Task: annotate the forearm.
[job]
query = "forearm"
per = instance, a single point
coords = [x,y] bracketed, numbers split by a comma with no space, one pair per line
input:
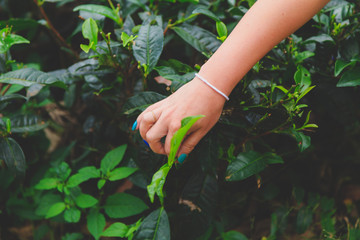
[263,26]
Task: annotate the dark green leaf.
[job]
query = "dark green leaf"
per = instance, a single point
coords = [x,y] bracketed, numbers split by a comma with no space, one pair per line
[12,154]
[95,223]
[11,97]
[141,101]
[72,215]
[121,173]
[350,78]
[99,9]
[148,46]
[206,12]
[27,123]
[46,202]
[249,163]
[321,38]
[234,235]
[340,65]
[29,76]
[116,230]
[121,205]
[55,210]
[85,201]
[303,141]
[202,40]
[73,236]
[112,159]
[155,226]
[303,219]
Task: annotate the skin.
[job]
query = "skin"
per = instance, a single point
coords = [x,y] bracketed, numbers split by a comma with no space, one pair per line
[263,26]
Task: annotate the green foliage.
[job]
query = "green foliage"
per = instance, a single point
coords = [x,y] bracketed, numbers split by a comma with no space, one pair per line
[283,156]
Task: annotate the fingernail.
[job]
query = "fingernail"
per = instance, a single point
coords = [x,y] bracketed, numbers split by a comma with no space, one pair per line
[134,126]
[146,143]
[182,158]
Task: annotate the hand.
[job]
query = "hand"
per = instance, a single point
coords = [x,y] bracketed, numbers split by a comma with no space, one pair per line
[164,117]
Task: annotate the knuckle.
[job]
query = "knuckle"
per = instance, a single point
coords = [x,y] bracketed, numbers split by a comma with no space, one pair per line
[150,137]
[174,126]
[187,147]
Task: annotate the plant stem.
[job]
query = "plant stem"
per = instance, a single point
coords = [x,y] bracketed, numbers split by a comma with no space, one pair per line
[54,31]
[6,89]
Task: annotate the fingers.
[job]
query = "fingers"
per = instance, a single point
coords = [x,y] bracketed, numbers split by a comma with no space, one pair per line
[174,126]
[154,135]
[146,121]
[189,143]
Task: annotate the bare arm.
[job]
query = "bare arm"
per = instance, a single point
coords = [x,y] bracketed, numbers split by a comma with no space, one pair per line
[262,27]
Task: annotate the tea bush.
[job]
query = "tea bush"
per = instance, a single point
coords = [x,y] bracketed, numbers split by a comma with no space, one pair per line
[75,75]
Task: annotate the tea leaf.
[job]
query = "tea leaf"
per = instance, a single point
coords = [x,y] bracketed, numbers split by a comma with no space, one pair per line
[122,205]
[155,226]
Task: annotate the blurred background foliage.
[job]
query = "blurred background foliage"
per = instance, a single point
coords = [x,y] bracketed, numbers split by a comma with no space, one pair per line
[282,163]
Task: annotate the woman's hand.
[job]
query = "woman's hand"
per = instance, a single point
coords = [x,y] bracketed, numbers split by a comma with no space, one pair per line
[164,117]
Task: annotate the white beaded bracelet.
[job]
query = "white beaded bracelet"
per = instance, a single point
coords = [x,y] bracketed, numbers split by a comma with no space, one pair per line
[212,86]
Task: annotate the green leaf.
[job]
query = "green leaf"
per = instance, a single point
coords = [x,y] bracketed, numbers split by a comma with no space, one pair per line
[11,97]
[233,235]
[141,101]
[7,40]
[300,57]
[29,76]
[122,205]
[203,10]
[95,223]
[202,40]
[116,230]
[12,154]
[303,219]
[303,141]
[90,31]
[101,183]
[112,159]
[321,38]
[221,30]
[85,201]
[72,215]
[249,163]
[302,77]
[155,226]
[83,175]
[46,202]
[126,39]
[340,65]
[148,46]
[186,124]
[73,236]
[350,78]
[157,183]
[99,9]
[47,183]
[55,210]
[121,173]
[27,123]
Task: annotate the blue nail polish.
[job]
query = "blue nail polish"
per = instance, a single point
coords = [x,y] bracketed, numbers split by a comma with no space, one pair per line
[182,158]
[146,143]
[134,126]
